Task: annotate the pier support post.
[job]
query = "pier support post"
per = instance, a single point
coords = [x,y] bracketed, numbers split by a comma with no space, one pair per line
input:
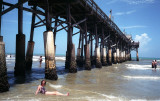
[87,52]
[115,57]
[120,56]
[70,56]
[87,58]
[98,58]
[20,45]
[97,50]
[124,56]
[109,56]
[91,49]
[49,48]
[79,58]
[20,55]
[137,54]
[104,59]
[30,47]
[117,52]
[70,59]
[29,55]
[4,85]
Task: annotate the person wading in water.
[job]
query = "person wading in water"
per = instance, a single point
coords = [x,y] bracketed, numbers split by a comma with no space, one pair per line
[155,64]
[40,60]
[42,90]
[152,64]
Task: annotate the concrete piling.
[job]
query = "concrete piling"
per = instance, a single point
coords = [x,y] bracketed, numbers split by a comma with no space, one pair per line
[137,54]
[117,52]
[79,59]
[87,58]
[104,59]
[20,55]
[29,55]
[109,56]
[98,58]
[49,48]
[72,60]
[4,85]
[115,57]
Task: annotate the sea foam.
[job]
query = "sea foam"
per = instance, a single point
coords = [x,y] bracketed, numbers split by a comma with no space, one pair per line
[139,67]
[143,77]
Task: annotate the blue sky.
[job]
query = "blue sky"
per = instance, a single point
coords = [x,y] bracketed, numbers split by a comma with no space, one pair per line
[140,18]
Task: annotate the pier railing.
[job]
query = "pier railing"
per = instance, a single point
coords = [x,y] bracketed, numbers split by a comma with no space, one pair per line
[105,18]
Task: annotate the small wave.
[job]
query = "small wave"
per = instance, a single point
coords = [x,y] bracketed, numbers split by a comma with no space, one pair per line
[139,67]
[138,100]
[143,77]
[55,86]
[61,58]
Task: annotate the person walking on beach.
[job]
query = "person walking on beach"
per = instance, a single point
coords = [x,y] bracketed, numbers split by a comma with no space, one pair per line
[42,90]
[40,60]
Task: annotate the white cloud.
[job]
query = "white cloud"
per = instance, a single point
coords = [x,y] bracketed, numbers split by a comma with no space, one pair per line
[125,13]
[137,26]
[144,39]
[138,1]
[111,2]
[132,2]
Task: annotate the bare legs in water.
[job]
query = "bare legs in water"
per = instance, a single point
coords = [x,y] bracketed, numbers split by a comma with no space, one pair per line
[55,93]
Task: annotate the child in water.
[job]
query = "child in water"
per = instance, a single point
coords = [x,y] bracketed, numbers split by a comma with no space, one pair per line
[42,90]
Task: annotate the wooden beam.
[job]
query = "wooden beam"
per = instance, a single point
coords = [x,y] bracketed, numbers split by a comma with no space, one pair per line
[0,15]
[57,25]
[62,29]
[32,25]
[40,19]
[13,7]
[79,22]
[76,33]
[77,25]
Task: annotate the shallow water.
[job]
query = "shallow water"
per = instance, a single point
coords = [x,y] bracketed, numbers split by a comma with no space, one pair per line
[131,80]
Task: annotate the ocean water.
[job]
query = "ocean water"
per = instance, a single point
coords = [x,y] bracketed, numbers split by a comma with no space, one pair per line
[128,81]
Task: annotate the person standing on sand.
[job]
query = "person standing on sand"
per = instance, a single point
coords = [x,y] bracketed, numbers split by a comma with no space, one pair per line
[40,60]
[42,90]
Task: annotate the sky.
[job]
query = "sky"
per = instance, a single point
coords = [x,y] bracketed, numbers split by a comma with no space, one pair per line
[140,18]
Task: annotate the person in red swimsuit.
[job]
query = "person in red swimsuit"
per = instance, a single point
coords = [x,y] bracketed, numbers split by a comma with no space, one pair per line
[41,89]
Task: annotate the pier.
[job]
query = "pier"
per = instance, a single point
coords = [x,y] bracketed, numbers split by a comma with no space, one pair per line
[112,46]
